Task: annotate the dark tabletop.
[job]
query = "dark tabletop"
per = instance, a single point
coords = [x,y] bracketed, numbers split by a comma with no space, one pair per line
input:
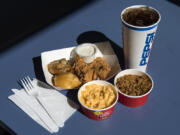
[98,21]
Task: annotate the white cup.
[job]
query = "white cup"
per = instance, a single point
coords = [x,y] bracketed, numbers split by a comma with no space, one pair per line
[138,40]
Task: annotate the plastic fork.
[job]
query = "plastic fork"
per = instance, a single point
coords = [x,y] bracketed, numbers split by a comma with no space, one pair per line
[31,89]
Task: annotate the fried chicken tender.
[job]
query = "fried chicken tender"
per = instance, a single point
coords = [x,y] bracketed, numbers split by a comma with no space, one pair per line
[101,67]
[81,69]
[77,70]
[80,66]
[88,72]
[59,66]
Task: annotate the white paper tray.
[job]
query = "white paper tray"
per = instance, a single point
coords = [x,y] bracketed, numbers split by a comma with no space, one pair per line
[104,50]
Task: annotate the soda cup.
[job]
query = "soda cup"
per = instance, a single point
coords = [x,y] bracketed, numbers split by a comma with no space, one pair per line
[139,25]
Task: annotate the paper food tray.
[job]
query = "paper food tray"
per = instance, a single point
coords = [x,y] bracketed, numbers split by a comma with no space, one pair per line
[104,50]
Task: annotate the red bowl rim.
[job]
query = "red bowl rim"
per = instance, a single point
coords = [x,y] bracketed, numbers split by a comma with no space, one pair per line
[129,73]
[93,82]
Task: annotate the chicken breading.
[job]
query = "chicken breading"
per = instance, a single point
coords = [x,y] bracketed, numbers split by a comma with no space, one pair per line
[101,67]
[98,69]
[87,72]
[59,66]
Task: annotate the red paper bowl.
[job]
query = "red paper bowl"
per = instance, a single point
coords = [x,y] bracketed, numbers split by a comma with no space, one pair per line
[132,101]
[97,114]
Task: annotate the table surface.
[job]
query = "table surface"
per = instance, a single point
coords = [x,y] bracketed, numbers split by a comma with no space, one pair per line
[160,115]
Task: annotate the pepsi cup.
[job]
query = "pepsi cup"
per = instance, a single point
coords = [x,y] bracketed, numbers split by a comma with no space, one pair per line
[139,25]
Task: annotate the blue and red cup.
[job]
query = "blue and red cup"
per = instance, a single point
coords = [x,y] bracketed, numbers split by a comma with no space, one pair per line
[138,40]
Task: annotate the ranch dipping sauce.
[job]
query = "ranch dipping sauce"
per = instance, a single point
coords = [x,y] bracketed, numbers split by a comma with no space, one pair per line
[86,51]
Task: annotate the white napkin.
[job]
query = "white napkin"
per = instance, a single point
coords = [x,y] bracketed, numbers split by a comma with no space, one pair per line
[58,106]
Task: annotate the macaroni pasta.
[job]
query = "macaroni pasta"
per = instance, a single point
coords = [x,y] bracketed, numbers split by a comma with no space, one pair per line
[96,96]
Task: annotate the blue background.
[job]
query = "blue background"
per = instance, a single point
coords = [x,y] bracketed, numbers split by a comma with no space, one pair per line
[160,115]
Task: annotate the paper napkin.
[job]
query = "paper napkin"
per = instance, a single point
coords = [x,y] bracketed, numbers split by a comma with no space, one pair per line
[58,108]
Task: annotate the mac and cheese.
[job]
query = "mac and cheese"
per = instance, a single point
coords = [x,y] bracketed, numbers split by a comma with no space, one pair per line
[96,96]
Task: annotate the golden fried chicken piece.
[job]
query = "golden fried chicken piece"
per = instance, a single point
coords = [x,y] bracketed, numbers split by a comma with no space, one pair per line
[88,76]
[81,69]
[94,75]
[88,72]
[80,66]
[59,66]
[101,67]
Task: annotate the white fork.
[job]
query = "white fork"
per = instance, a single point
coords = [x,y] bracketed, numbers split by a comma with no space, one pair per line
[31,89]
